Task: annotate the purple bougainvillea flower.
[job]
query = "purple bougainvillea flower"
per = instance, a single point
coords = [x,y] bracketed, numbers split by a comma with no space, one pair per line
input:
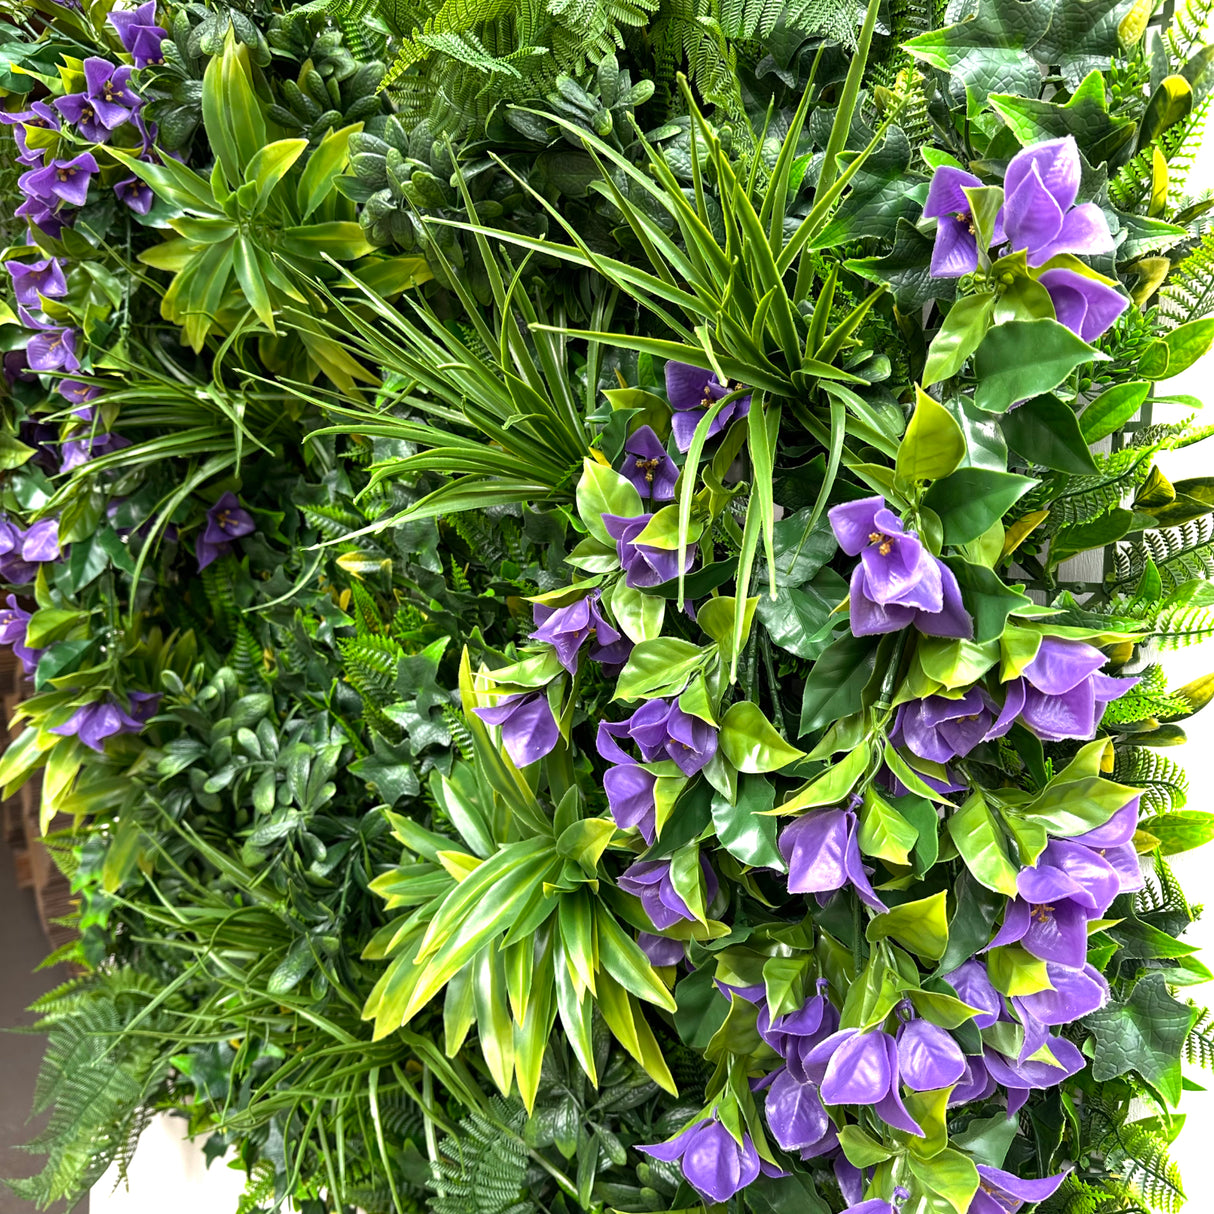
[1075,994]
[78,393]
[1020,1078]
[1039,212]
[940,729]
[1114,842]
[897,582]
[692,391]
[567,628]
[53,349]
[713,1161]
[956,249]
[41,542]
[874,1205]
[42,216]
[1052,931]
[39,116]
[644,565]
[1085,305]
[32,279]
[927,1056]
[66,180]
[139,34]
[227,521]
[851,1067]
[823,855]
[648,467]
[794,1035]
[650,881]
[135,194]
[107,102]
[661,730]
[1000,1192]
[974,987]
[795,1113]
[1061,693]
[660,950]
[14,622]
[102,719]
[629,789]
[529,730]
[975,1084]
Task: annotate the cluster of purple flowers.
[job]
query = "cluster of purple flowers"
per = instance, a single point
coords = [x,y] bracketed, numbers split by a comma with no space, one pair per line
[897,581]
[1038,217]
[104,718]
[692,391]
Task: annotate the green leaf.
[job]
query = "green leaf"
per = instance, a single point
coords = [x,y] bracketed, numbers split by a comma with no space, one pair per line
[271,164]
[660,667]
[906,269]
[962,332]
[933,445]
[1144,1033]
[1183,347]
[884,832]
[701,1009]
[745,828]
[861,1149]
[922,926]
[1099,533]
[832,785]
[325,165]
[970,500]
[1180,831]
[950,1174]
[1047,433]
[750,741]
[797,618]
[835,685]
[1026,358]
[977,837]
[639,615]
[986,597]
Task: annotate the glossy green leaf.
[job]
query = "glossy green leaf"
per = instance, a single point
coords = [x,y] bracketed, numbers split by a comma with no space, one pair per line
[1180,830]
[831,786]
[1111,410]
[950,1174]
[969,500]
[884,832]
[962,332]
[1047,433]
[750,741]
[1026,358]
[745,828]
[979,840]
[922,926]
[659,667]
[932,447]
[836,683]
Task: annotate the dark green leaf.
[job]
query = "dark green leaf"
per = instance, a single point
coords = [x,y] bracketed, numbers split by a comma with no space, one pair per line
[970,500]
[836,682]
[1026,358]
[1046,432]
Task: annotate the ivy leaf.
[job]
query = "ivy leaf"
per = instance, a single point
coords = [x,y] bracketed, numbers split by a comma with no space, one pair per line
[1145,1033]
[986,597]
[1081,37]
[989,52]
[1086,116]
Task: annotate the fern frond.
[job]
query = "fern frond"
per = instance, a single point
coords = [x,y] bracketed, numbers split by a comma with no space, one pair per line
[1188,293]
[1190,29]
[1141,1158]
[1161,893]
[1164,783]
[1150,698]
[1181,554]
[482,1168]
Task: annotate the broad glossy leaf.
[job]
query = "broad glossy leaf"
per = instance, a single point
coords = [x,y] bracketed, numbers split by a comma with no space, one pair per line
[660,667]
[922,926]
[750,741]
[1026,358]
[1047,433]
[977,836]
[962,332]
[745,828]
[969,500]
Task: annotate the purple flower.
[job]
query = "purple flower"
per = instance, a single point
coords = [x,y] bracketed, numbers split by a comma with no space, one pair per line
[956,249]
[567,628]
[713,1161]
[78,393]
[102,719]
[648,467]
[939,729]
[975,1084]
[53,349]
[1000,1192]
[797,1118]
[897,582]
[39,115]
[32,279]
[644,565]
[529,730]
[974,987]
[1020,1078]
[1073,994]
[1087,306]
[107,101]
[650,881]
[40,543]
[14,621]
[823,855]
[1061,694]
[135,194]
[139,34]
[1114,843]
[691,391]
[794,1035]
[661,730]
[928,1057]
[42,216]
[227,521]
[660,950]
[79,451]
[1039,214]
[851,1067]
[66,180]
[630,798]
